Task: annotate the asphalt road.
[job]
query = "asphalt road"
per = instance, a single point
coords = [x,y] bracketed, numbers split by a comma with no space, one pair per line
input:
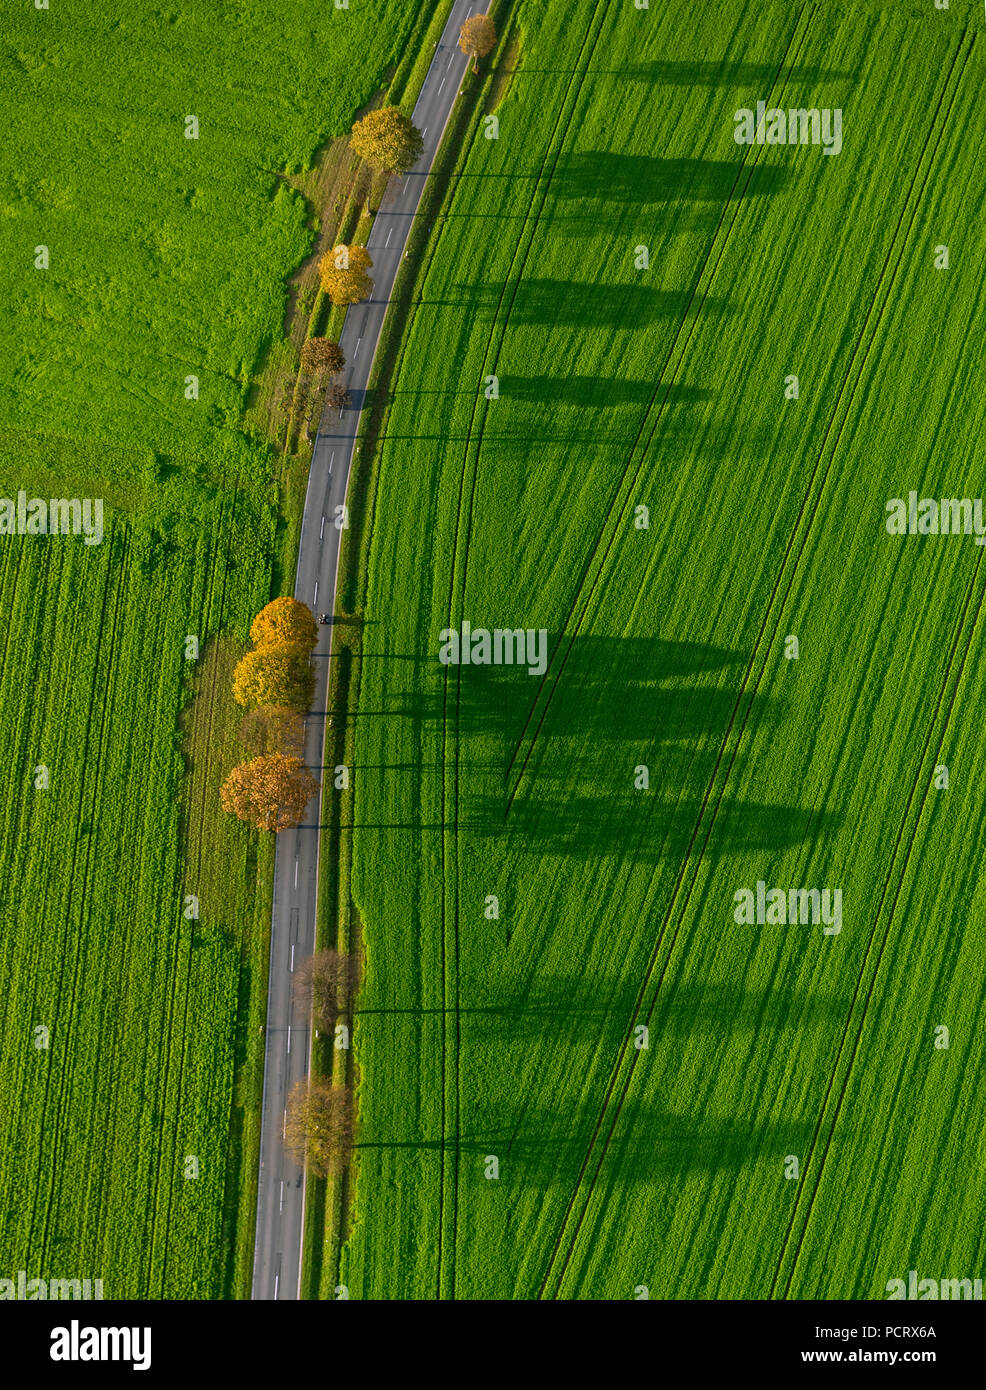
[281,1192]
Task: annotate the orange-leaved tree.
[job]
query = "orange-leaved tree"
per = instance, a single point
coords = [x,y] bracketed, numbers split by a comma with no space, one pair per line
[477,37]
[322,355]
[270,793]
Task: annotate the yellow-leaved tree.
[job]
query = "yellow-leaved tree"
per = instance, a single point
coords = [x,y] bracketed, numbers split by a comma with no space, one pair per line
[344,274]
[278,673]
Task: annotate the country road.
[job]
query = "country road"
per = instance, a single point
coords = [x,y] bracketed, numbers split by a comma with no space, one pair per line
[281,1190]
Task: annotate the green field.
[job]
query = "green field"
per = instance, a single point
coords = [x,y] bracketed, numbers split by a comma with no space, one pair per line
[167,259]
[619,388]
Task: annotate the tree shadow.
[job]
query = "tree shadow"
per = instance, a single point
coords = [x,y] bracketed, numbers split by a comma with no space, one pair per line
[539,1146]
[604,1008]
[595,391]
[593,304]
[641,179]
[642,827]
[618,704]
[694,72]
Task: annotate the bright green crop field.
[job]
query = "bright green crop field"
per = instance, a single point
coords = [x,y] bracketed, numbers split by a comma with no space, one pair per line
[790,1124]
[131,1025]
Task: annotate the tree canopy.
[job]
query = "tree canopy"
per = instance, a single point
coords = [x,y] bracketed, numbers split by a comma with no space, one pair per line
[344,274]
[318,1128]
[322,355]
[386,140]
[285,620]
[277,673]
[273,729]
[477,37]
[270,793]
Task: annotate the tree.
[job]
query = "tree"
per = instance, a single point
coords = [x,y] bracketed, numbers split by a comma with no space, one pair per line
[387,141]
[337,396]
[278,673]
[318,1129]
[477,37]
[323,982]
[322,355]
[273,729]
[344,274]
[270,793]
[285,620]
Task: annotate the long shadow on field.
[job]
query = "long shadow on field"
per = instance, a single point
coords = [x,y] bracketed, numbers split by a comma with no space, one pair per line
[619,704]
[649,659]
[542,1146]
[641,179]
[575,303]
[595,391]
[642,714]
[642,827]
[709,73]
[599,1010]
[622,688]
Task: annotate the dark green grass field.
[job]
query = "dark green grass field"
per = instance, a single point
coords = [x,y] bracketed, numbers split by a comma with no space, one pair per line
[167,259]
[514,1037]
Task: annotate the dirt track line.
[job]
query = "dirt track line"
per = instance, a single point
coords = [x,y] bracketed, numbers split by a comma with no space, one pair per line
[457,586]
[213,622]
[901,877]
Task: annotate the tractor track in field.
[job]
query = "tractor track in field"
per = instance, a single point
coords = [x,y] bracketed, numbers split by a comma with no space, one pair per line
[31,711]
[528,234]
[901,877]
[9,582]
[60,1102]
[213,611]
[550,1275]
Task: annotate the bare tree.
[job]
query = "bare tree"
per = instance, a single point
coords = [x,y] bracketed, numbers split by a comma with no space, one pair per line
[326,981]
